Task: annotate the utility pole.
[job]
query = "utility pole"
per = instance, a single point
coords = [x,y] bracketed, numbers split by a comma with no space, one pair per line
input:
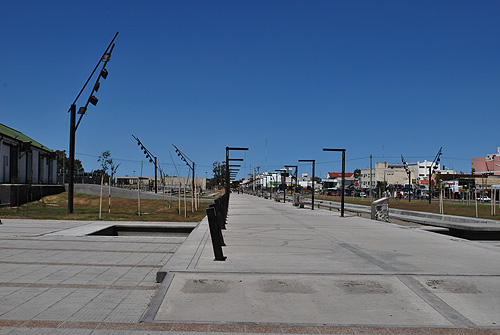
[371,184]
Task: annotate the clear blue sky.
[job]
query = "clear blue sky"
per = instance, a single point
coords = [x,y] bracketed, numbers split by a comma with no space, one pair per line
[375,77]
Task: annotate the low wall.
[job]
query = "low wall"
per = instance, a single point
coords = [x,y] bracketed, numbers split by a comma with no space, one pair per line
[18,194]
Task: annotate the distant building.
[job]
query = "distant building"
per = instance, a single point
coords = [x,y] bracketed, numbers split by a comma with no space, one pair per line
[489,165]
[334,180]
[420,170]
[170,182]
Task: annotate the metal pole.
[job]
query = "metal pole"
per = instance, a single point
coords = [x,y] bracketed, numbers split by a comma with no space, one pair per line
[71,181]
[156,177]
[430,183]
[313,185]
[284,188]
[193,190]
[371,183]
[343,185]
[227,171]
[409,185]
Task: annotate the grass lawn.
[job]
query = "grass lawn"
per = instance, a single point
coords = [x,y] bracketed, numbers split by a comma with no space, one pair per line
[86,207]
[450,208]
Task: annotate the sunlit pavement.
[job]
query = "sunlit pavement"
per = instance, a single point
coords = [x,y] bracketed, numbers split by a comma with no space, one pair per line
[288,270]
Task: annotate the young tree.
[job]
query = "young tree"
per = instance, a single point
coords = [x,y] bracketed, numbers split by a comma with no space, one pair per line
[107,163]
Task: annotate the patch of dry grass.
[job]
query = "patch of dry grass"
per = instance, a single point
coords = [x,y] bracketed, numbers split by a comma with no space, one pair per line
[450,208]
[86,207]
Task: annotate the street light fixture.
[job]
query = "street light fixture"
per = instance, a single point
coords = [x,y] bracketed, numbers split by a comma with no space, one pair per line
[81,111]
[313,161]
[343,179]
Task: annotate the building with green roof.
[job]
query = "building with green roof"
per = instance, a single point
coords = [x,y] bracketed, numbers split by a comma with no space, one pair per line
[24,160]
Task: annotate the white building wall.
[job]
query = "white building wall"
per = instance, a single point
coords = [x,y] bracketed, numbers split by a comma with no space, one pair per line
[421,169]
[35,166]
[365,178]
[21,168]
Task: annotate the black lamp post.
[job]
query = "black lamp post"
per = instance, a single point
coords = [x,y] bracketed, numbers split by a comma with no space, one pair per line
[228,183]
[313,161]
[296,174]
[283,182]
[343,179]
[152,159]
[408,172]
[432,168]
[82,110]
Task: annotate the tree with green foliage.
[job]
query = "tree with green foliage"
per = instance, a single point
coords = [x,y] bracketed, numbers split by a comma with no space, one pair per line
[357,173]
[219,170]
[63,160]
[381,187]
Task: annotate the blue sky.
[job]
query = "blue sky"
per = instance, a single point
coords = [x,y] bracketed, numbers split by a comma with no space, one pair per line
[283,78]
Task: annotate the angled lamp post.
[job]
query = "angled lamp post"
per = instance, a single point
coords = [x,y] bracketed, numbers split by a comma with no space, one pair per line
[313,161]
[185,159]
[343,179]
[408,172]
[82,110]
[432,168]
[152,159]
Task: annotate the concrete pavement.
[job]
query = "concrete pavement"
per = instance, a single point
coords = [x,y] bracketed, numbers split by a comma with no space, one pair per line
[313,268]
[288,270]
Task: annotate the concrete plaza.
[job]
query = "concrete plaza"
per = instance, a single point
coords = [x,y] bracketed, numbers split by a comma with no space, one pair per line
[288,270]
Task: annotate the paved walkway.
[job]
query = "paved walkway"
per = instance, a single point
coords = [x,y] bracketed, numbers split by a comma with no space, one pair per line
[288,270]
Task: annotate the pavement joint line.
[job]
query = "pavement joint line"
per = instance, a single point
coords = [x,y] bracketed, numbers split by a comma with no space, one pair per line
[199,251]
[92,250]
[97,239]
[379,274]
[86,264]
[435,302]
[150,313]
[85,286]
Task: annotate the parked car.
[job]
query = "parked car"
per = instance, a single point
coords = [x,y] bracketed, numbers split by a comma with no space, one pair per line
[484,199]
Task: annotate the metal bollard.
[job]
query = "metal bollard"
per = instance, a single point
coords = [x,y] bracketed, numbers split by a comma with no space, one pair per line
[218,219]
[219,208]
[215,234]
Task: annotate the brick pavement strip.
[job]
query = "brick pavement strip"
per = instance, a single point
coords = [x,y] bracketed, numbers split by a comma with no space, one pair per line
[238,328]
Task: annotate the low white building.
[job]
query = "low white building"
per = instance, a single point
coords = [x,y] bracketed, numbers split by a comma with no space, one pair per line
[24,160]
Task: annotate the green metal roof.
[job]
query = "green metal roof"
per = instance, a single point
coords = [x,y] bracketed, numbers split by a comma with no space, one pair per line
[17,135]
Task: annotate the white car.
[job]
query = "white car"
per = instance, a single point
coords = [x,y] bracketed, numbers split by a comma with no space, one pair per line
[484,199]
